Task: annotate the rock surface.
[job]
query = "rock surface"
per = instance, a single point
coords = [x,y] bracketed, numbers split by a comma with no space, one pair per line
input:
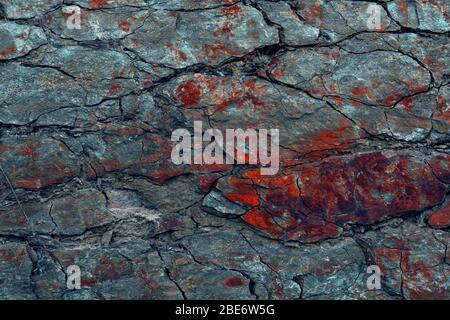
[359,91]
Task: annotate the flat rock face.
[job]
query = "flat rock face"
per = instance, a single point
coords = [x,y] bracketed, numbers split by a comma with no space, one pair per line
[422,15]
[375,78]
[91,92]
[181,39]
[419,254]
[29,92]
[18,40]
[16,9]
[313,202]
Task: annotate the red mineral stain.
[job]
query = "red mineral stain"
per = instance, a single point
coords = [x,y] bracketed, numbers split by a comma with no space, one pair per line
[225,1]
[115,88]
[88,282]
[403,7]
[234,282]
[189,94]
[28,183]
[315,12]
[130,131]
[245,192]
[316,230]
[206,182]
[440,218]
[338,139]
[231,12]
[407,104]
[8,52]
[16,257]
[278,69]
[443,110]
[125,25]
[108,269]
[99,4]
[30,150]
[441,167]
[263,222]
[180,54]
[369,188]
[430,293]
[361,92]
[165,171]
[224,30]
[386,256]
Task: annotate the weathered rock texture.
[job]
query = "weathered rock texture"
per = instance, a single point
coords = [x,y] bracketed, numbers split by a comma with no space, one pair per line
[86,117]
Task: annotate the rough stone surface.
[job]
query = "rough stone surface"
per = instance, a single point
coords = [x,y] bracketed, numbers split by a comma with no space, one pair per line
[86,176]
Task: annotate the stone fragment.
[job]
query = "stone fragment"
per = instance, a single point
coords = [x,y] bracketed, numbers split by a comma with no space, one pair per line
[17,9]
[102,73]
[182,39]
[337,20]
[18,40]
[411,261]
[376,78]
[101,25]
[296,31]
[28,92]
[37,162]
[15,270]
[421,15]
[312,202]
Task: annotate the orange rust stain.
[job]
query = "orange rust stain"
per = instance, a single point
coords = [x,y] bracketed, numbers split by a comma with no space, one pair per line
[337,139]
[255,218]
[407,104]
[248,199]
[214,51]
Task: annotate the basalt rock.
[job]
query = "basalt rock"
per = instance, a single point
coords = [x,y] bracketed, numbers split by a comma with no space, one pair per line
[92,90]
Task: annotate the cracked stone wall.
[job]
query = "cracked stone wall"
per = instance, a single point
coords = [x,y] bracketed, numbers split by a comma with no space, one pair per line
[86,116]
